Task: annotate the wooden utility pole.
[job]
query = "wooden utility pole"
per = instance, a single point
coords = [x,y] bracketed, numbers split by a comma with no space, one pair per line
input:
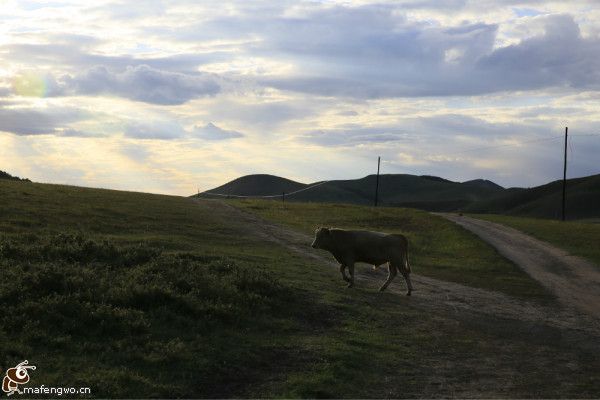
[377,181]
[564,192]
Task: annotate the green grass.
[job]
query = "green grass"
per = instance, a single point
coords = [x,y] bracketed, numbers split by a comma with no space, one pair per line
[438,248]
[139,295]
[578,238]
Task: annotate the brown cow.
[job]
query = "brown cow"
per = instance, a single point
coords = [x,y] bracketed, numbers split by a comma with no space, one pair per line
[349,247]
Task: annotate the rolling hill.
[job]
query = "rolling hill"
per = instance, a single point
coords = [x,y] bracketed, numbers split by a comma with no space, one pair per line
[432,194]
[425,192]
[582,200]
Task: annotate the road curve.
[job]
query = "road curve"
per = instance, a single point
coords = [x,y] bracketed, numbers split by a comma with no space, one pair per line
[575,282]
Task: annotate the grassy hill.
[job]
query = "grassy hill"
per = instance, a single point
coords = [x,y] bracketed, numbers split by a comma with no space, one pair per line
[424,192]
[434,194]
[257,185]
[138,295]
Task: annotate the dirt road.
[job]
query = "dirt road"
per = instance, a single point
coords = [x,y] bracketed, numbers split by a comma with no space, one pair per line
[463,302]
[574,281]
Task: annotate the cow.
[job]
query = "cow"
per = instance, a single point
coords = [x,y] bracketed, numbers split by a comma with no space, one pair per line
[375,248]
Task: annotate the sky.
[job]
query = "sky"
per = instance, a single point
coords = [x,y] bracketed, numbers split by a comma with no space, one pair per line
[178,96]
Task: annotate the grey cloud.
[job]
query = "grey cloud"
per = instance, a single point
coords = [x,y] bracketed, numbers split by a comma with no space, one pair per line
[70,132]
[349,113]
[354,135]
[212,132]
[456,124]
[142,83]
[560,57]
[267,116]
[429,132]
[135,152]
[72,52]
[163,130]
[26,121]
[386,56]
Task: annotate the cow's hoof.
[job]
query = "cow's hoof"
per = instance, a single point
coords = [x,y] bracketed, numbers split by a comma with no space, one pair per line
[349,285]
[408,293]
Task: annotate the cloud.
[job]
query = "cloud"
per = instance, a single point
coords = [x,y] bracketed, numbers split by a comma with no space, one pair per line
[142,83]
[212,132]
[163,130]
[354,135]
[74,53]
[27,121]
[135,152]
[560,57]
[371,52]
[431,132]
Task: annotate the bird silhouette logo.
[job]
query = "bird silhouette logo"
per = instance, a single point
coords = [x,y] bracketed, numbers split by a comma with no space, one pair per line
[16,376]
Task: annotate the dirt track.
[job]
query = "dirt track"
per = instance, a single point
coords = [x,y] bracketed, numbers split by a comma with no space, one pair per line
[463,302]
[574,281]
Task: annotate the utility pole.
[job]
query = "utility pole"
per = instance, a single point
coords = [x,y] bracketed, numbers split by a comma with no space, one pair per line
[283,197]
[564,192]
[377,181]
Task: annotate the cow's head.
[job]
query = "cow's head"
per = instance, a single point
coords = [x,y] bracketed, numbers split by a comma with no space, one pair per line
[322,238]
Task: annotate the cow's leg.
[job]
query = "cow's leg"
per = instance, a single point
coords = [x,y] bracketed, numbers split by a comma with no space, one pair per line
[406,276]
[351,270]
[343,271]
[393,271]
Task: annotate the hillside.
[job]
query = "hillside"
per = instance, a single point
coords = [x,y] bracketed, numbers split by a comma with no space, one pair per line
[424,192]
[257,185]
[432,193]
[6,175]
[144,281]
[582,200]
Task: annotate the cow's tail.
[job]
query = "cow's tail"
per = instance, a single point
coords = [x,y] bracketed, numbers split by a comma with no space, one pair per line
[406,259]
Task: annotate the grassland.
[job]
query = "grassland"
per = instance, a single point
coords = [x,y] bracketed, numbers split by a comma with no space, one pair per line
[578,238]
[438,248]
[139,295]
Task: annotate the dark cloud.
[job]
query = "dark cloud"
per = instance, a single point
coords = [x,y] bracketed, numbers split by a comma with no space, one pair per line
[560,57]
[212,132]
[27,121]
[142,83]
[369,52]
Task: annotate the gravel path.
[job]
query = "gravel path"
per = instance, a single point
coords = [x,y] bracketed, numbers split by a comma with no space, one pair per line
[574,281]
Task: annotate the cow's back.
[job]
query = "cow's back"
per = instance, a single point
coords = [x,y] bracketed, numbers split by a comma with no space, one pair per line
[370,247]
